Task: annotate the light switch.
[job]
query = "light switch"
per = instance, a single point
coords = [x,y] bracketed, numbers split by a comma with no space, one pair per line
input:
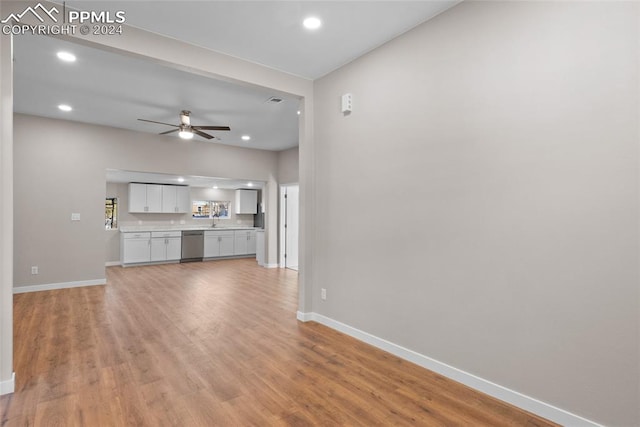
[75,217]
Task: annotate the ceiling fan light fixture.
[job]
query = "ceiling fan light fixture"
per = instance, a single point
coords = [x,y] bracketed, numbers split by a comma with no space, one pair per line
[185,133]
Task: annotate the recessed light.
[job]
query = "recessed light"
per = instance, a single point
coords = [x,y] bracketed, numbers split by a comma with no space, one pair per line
[298,112]
[65,107]
[246,137]
[181,179]
[312,23]
[215,187]
[66,56]
[250,184]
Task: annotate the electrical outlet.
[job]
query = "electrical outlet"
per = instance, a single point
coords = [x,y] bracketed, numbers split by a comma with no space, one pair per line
[323,293]
[34,269]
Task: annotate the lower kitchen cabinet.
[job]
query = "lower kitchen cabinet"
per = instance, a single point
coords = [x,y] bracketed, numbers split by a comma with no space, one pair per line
[135,248]
[166,245]
[218,243]
[245,242]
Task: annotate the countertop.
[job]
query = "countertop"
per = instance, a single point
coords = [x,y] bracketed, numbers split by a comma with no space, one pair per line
[143,228]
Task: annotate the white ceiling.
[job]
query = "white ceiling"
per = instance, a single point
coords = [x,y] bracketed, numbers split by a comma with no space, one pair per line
[113,90]
[109,89]
[271,32]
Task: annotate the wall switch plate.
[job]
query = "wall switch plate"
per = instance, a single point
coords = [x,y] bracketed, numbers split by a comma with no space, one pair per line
[75,217]
[323,294]
[34,269]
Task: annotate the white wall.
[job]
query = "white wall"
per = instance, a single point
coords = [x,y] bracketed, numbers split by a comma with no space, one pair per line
[506,135]
[60,168]
[288,166]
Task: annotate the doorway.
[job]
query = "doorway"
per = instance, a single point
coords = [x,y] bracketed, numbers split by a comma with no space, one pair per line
[289,220]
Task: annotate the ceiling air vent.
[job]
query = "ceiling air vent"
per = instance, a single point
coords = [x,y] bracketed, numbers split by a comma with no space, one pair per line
[274,100]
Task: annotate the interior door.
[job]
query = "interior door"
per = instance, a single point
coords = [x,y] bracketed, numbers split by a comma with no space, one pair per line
[291,226]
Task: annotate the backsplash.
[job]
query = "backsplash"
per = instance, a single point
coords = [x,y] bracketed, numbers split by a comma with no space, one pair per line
[185,219]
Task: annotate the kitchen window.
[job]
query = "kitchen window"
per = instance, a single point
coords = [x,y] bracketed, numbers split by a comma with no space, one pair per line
[111,213]
[211,209]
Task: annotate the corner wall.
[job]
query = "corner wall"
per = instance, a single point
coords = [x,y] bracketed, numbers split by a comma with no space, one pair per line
[6,213]
[506,135]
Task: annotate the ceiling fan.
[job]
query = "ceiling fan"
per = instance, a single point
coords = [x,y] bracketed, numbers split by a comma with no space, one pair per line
[185,129]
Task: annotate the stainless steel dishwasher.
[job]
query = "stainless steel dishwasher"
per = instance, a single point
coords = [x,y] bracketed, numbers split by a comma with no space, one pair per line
[192,245]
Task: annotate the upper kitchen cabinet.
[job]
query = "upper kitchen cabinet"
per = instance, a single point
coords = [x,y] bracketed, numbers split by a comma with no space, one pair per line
[145,198]
[246,201]
[176,199]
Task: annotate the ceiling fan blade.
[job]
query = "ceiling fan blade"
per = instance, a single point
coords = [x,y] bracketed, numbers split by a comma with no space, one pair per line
[202,134]
[169,131]
[160,123]
[211,127]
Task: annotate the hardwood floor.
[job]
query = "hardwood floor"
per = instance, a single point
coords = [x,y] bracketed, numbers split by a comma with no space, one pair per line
[214,343]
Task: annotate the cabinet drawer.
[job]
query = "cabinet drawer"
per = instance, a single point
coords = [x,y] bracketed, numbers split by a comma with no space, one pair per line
[166,234]
[219,233]
[143,235]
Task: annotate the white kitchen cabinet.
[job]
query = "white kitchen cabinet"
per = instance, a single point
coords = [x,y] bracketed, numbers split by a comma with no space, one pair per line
[218,243]
[183,199]
[166,245]
[176,199]
[145,198]
[137,197]
[246,201]
[135,248]
[245,242]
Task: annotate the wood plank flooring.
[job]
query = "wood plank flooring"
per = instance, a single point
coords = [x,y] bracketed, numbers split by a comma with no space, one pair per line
[215,343]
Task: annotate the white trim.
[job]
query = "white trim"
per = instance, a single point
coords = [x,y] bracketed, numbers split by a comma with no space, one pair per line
[515,398]
[306,317]
[8,386]
[62,285]
[272,265]
[112,263]
[281,220]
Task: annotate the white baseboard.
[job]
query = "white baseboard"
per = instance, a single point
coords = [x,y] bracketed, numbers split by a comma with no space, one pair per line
[273,265]
[515,398]
[306,317]
[62,285]
[111,263]
[8,386]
